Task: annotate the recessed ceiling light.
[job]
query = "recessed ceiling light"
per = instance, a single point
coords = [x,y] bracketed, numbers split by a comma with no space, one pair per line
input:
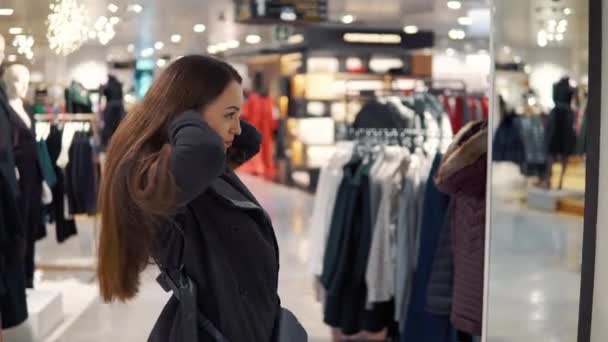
[454,4]
[114,20]
[12,58]
[130,48]
[559,37]
[456,34]
[112,8]
[176,38]
[199,28]
[233,44]
[347,19]
[410,29]
[15,30]
[517,59]
[465,21]
[253,39]
[567,11]
[6,11]
[161,62]
[137,8]
[212,49]
[507,49]
[159,45]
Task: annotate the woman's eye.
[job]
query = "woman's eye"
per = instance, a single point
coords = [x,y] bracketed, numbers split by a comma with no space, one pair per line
[230,115]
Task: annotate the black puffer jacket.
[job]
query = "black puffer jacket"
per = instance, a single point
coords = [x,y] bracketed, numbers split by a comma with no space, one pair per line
[229,248]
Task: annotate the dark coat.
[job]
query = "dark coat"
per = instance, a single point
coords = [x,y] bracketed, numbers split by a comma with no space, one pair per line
[421,325]
[377,115]
[463,176]
[229,248]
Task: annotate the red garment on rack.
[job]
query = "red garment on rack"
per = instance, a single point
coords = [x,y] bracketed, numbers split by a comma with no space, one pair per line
[257,110]
[457,117]
[485,106]
[472,102]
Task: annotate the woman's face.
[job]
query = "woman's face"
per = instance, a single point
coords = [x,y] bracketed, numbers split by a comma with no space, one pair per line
[223,114]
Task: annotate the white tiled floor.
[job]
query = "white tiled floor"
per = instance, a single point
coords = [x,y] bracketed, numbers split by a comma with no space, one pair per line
[533,292]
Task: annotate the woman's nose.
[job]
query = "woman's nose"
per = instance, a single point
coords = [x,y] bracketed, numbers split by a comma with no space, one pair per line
[236,127]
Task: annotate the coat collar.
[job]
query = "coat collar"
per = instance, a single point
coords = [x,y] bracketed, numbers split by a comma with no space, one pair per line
[233,191]
[470,144]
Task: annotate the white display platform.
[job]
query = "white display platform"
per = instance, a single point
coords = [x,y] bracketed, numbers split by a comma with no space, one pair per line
[45,309]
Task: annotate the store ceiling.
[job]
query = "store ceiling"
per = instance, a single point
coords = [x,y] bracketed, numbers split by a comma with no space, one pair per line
[161,19]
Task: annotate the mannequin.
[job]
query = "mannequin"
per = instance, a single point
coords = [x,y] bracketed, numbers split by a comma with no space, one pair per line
[13,306]
[17,78]
[30,182]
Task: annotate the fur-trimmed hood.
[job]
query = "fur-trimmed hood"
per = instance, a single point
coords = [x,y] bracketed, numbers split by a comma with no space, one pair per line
[463,168]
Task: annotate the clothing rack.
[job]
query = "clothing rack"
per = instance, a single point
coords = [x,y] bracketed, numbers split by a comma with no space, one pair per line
[87,263]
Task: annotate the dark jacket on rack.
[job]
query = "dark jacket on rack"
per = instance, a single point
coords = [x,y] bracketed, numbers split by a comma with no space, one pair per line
[114,110]
[81,176]
[378,115]
[421,325]
[441,283]
[64,227]
[508,144]
[463,175]
[229,247]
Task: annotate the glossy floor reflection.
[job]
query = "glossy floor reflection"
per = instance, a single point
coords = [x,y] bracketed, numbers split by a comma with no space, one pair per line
[290,211]
[534,275]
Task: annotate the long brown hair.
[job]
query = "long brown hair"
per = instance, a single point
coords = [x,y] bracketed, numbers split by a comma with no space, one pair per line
[137,188]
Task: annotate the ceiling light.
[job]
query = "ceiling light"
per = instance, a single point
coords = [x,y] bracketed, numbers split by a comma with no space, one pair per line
[456,34]
[6,11]
[450,52]
[528,69]
[114,20]
[176,38]
[541,38]
[295,39]
[15,30]
[67,26]
[233,44]
[454,4]
[552,23]
[212,49]
[159,45]
[29,55]
[92,34]
[507,49]
[147,52]
[112,8]
[465,21]
[12,58]
[347,19]
[550,37]
[221,47]
[410,29]
[161,62]
[517,59]
[130,48]
[563,22]
[137,8]
[199,28]
[253,39]
[559,37]
[288,15]
[567,11]
[561,29]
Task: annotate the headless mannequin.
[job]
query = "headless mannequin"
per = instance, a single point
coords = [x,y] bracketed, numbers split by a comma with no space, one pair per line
[17,79]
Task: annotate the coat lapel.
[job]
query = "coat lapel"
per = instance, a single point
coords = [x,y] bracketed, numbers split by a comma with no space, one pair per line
[232,196]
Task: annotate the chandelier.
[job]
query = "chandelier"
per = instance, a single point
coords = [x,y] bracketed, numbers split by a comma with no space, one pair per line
[24,45]
[67,26]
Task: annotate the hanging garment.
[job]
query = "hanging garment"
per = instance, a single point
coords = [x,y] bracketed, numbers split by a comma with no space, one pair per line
[13,305]
[64,227]
[46,164]
[324,202]
[485,106]
[258,112]
[77,99]
[419,324]
[441,282]
[408,228]
[346,289]
[458,115]
[463,176]
[81,177]
[30,196]
[381,268]
[381,115]
[508,144]
[535,159]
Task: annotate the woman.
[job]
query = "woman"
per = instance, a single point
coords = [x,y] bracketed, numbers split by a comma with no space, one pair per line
[169,192]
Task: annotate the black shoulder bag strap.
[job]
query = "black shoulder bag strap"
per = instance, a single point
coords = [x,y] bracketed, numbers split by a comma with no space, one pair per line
[184,289]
